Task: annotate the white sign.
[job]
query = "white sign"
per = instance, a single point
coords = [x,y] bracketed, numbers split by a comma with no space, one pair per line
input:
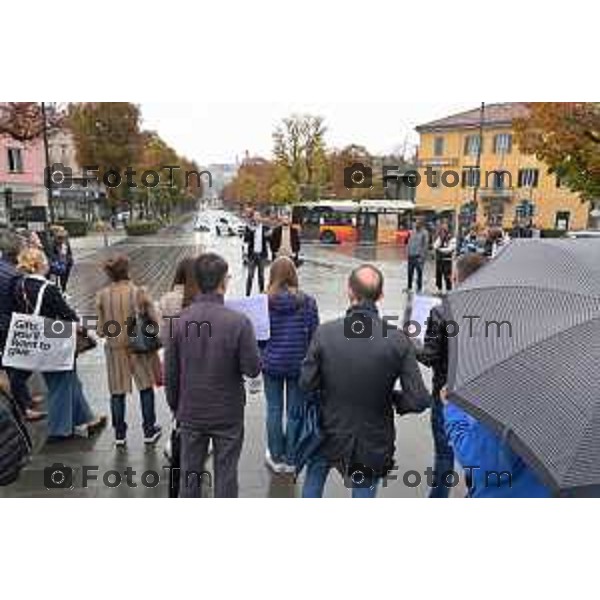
[256,308]
[421,309]
[29,346]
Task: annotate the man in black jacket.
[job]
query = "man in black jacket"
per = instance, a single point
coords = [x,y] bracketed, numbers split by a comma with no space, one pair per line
[435,355]
[257,251]
[354,363]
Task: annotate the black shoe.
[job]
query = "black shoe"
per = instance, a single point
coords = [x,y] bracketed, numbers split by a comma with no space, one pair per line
[154,436]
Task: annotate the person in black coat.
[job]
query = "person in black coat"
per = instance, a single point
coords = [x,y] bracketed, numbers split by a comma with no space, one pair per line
[285,240]
[256,238]
[61,258]
[69,414]
[10,247]
[354,364]
[434,354]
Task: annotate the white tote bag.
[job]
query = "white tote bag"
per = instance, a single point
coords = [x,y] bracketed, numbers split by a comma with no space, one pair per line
[35,343]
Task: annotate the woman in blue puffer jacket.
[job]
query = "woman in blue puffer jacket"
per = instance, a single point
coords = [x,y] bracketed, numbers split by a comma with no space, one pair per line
[293,319]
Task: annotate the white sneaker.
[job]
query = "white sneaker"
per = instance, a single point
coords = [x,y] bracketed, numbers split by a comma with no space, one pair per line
[274,466]
[120,443]
[289,469]
[81,431]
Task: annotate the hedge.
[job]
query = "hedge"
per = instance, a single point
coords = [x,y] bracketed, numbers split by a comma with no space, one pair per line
[75,227]
[552,233]
[143,227]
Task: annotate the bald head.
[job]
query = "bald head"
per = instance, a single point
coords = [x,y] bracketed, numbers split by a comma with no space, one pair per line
[365,284]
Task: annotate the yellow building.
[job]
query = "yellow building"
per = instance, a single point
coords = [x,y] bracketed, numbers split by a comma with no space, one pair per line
[507,183]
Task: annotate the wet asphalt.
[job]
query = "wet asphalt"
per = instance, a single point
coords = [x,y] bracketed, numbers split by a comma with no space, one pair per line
[153,261]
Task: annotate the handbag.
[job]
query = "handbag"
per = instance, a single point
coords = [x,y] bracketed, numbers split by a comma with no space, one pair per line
[310,437]
[84,341]
[15,443]
[34,343]
[58,267]
[141,342]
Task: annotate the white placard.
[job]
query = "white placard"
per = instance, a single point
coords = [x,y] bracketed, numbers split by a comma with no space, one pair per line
[256,308]
[421,309]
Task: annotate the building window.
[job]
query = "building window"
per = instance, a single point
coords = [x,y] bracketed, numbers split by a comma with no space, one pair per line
[471,178]
[529,177]
[438,146]
[562,220]
[503,143]
[561,183]
[472,145]
[15,160]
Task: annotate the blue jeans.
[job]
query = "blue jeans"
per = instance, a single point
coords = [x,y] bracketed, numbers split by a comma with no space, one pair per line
[317,471]
[282,445]
[67,406]
[117,410]
[444,455]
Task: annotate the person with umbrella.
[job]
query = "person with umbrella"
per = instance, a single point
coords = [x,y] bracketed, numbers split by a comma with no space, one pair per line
[523,382]
[493,469]
[434,355]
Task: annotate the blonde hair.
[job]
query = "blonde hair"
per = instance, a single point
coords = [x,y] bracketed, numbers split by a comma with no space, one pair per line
[33,261]
[283,276]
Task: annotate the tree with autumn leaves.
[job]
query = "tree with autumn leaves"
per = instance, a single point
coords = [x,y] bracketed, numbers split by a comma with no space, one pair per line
[566,136]
[109,134]
[303,169]
[25,121]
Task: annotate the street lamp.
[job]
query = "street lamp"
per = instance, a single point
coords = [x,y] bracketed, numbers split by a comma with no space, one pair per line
[48,178]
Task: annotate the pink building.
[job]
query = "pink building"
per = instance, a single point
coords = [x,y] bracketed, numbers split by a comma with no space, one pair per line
[21,177]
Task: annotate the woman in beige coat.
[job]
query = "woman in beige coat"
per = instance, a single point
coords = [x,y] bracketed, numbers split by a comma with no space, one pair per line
[117,304]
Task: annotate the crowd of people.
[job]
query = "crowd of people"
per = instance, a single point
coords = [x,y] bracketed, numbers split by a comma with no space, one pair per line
[445,246]
[353,382]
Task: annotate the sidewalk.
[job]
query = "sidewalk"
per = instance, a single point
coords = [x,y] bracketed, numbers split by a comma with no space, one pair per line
[92,242]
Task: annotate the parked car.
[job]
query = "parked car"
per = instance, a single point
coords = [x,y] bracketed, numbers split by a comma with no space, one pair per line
[590,233]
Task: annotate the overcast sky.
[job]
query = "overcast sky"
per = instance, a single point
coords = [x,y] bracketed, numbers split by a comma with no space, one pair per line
[216,133]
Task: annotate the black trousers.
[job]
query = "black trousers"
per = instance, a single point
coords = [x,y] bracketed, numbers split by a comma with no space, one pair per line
[443,274]
[415,263]
[227,444]
[255,263]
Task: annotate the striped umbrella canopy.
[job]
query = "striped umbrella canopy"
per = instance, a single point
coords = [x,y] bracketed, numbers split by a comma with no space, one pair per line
[524,356]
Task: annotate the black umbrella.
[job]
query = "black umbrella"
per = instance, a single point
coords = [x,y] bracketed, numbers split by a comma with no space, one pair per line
[526,359]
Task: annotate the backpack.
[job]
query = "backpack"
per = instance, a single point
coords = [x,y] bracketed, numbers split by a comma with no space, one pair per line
[15,443]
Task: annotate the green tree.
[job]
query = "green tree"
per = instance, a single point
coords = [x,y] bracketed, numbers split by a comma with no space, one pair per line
[299,148]
[284,189]
[247,187]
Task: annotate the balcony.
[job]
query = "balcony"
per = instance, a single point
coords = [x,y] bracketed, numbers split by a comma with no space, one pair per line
[505,193]
[437,161]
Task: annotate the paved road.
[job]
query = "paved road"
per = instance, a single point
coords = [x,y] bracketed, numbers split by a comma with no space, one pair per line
[153,261]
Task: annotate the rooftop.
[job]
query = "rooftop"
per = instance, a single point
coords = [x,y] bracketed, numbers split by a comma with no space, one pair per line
[495,114]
